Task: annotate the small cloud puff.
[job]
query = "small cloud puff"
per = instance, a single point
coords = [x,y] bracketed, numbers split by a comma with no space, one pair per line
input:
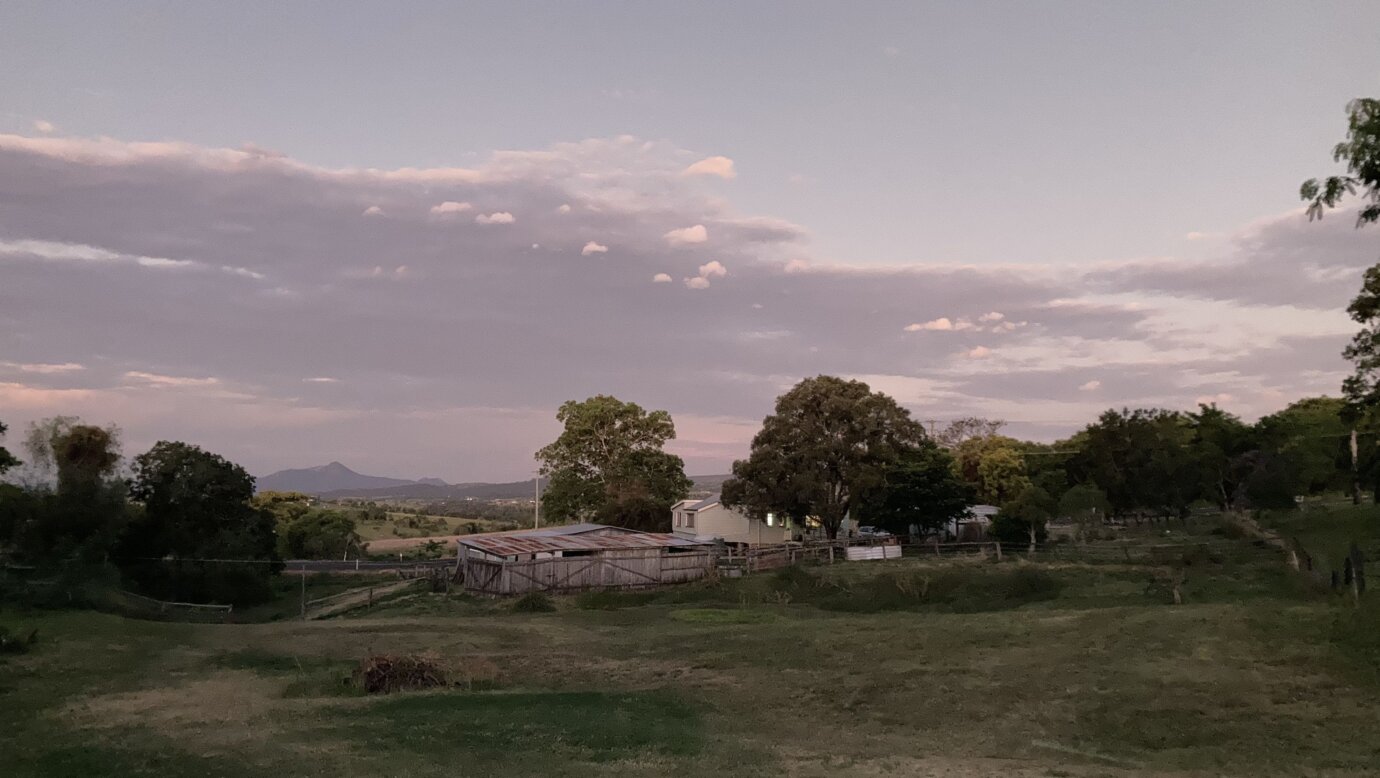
[593,248]
[712,166]
[449,207]
[661,278]
[942,324]
[980,352]
[698,282]
[686,236]
[44,127]
[993,316]
[321,380]
[1091,386]
[565,208]
[374,210]
[713,269]
[797,266]
[498,217]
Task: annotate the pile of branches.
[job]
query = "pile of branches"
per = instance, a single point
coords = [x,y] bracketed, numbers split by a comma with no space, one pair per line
[385,673]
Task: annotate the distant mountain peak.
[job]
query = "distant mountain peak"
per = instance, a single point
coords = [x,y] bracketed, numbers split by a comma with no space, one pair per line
[331,477]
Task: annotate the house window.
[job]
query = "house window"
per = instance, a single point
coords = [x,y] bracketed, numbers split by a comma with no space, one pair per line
[771,520]
[690,519]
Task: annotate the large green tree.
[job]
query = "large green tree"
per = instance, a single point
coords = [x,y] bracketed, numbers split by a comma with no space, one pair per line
[828,443]
[610,451]
[198,536]
[1361,153]
[920,489]
[76,509]
[1311,436]
[994,466]
[1141,459]
[1220,443]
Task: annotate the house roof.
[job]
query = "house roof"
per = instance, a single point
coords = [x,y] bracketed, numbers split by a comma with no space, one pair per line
[705,503]
[532,543]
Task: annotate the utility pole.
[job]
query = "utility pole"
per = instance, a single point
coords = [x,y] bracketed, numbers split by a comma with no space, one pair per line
[536,504]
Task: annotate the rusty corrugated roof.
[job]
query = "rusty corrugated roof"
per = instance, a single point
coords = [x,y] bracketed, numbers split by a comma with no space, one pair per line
[509,545]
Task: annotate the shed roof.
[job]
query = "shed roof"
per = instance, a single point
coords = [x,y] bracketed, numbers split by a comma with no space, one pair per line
[529,543]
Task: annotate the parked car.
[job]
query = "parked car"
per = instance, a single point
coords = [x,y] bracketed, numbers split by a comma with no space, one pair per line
[868,531]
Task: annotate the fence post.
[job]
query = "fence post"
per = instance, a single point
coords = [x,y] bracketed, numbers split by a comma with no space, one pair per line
[998,546]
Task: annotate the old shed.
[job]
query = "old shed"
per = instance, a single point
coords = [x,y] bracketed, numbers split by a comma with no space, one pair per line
[592,557]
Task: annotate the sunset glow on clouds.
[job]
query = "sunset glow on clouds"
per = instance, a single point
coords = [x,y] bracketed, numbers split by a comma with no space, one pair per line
[302,328]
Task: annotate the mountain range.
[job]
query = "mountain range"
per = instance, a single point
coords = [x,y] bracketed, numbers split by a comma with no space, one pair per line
[335,480]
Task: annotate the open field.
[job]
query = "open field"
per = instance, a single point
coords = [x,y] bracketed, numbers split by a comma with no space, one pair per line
[914,667]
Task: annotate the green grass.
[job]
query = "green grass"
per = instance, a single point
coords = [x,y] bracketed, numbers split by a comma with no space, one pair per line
[1328,533]
[915,666]
[407,525]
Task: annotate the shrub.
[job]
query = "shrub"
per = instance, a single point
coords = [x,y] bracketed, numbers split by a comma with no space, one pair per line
[385,674]
[11,643]
[533,602]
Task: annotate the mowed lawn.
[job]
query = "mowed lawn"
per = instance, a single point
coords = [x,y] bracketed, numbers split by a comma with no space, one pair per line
[914,667]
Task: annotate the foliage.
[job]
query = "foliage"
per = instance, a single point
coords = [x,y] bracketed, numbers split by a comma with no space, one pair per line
[827,444]
[197,511]
[7,460]
[75,515]
[1086,505]
[1313,436]
[994,466]
[1361,153]
[1220,443]
[640,513]
[919,489]
[1023,519]
[609,451]
[318,534]
[11,643]
[308,532]
[1141,459]
[960,430]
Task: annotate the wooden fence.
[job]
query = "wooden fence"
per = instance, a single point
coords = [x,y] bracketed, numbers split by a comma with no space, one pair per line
[638,568]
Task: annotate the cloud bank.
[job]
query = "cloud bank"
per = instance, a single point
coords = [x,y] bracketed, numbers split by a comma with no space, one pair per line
[235,298]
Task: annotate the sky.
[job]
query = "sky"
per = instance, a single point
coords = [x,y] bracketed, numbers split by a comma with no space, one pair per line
[400,236]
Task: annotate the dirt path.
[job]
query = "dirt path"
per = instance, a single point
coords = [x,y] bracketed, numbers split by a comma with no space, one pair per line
[358,598]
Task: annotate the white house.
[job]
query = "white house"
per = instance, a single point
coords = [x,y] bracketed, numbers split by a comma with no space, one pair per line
[709,519]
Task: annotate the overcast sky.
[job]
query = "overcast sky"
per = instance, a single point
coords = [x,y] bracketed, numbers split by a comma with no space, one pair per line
[400,240]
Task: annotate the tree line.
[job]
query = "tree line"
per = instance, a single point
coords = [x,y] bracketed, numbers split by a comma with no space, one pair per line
[833,449]
[176,522]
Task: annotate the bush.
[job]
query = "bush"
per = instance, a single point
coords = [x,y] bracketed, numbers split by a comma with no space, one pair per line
[1012,531]
[384,674]
[533,602]
[11,643]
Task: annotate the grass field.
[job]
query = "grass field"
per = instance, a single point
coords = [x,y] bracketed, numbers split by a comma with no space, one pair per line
[914,667]
[406,525]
